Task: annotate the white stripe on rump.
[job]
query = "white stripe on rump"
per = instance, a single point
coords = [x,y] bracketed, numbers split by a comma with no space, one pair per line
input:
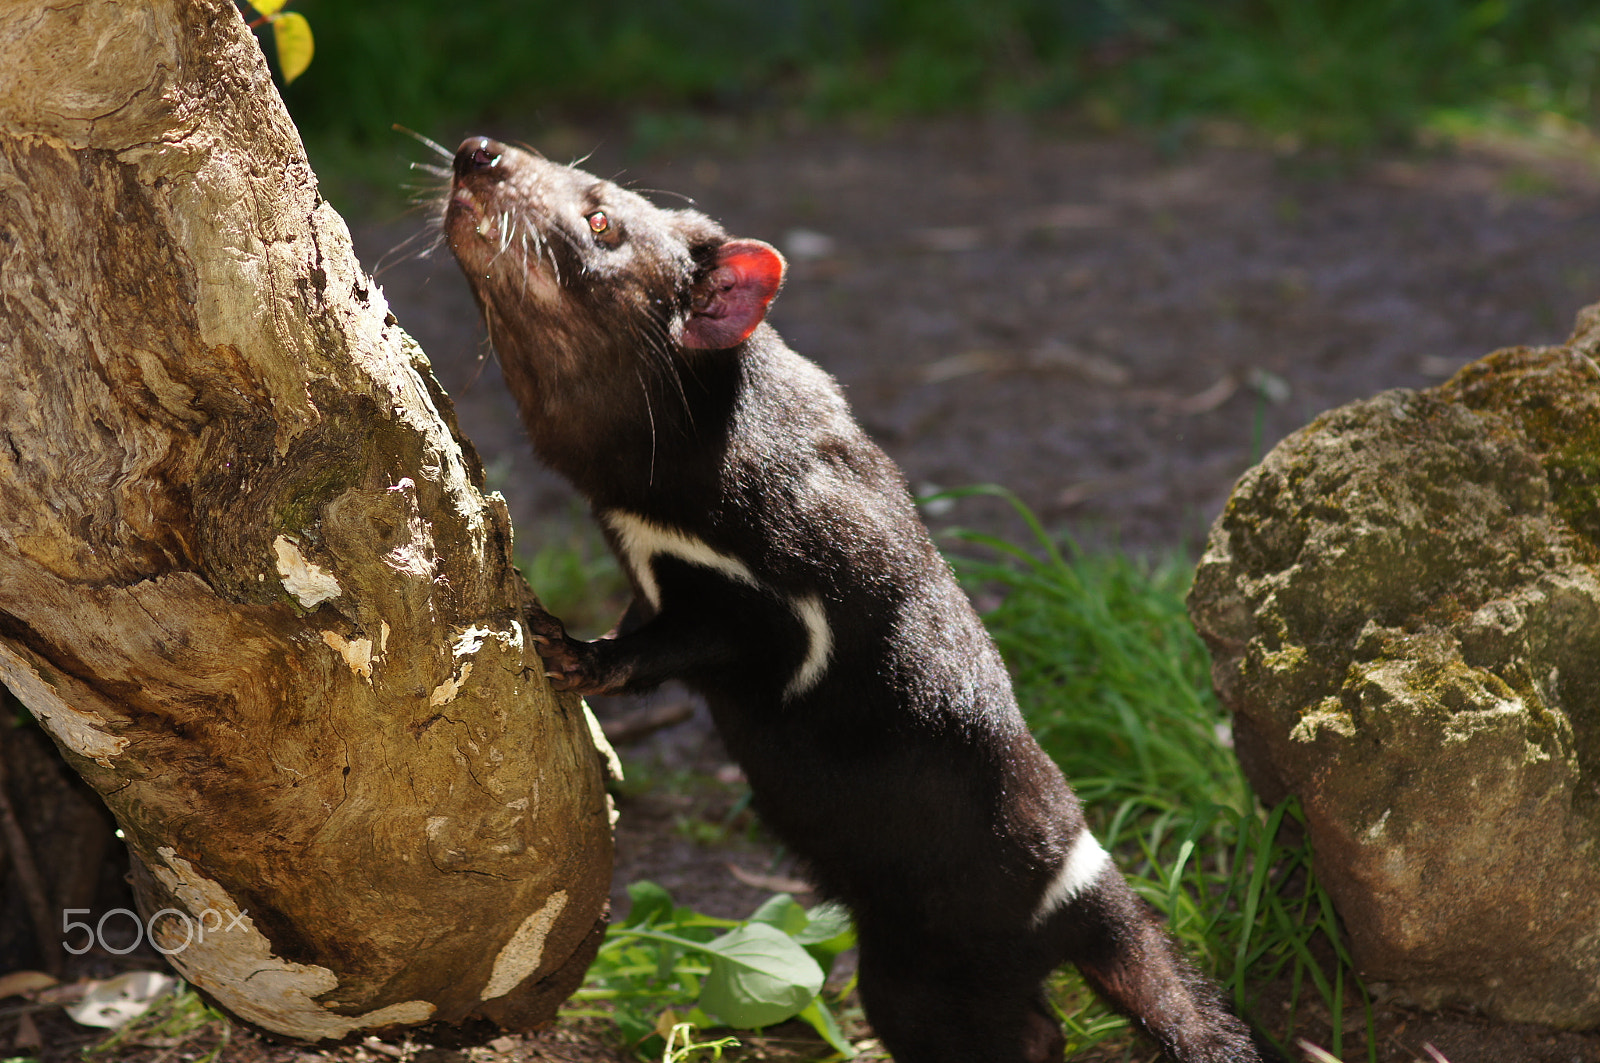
[819,645]
[1083,864]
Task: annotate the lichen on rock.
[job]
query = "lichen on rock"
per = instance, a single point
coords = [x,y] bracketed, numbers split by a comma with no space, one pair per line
[1403,607]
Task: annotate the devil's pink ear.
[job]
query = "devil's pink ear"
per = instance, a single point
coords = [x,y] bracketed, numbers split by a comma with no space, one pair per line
[732,298]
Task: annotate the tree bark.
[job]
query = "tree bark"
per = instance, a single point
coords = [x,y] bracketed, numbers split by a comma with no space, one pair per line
[248,581]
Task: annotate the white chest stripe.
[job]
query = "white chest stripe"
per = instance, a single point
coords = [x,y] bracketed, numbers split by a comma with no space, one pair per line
[1083,864]
[639,540]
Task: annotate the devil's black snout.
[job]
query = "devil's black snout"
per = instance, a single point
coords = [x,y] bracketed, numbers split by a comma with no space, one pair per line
[477,155]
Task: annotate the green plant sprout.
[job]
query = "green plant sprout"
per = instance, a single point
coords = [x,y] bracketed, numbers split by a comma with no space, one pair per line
[175,1019]
[676,1052]
[746,975]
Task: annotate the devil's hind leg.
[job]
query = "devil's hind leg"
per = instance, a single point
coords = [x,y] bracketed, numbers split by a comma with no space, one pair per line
[942,1000]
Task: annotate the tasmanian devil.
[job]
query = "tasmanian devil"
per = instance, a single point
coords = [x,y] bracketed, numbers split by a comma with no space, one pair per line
[780,569]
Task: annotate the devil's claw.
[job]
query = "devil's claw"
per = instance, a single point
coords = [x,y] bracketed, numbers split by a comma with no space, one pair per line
[542,626]
[567,663]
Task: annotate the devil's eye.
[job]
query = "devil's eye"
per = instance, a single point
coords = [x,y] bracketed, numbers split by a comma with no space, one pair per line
[598,222]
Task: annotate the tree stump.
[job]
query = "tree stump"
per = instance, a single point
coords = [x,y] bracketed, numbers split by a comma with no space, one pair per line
[248,579]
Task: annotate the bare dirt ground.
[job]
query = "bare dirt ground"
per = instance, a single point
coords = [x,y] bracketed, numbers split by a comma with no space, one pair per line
[1111,332]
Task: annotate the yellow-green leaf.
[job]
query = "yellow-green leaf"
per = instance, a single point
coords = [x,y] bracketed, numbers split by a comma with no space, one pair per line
[268,7]
[292,33]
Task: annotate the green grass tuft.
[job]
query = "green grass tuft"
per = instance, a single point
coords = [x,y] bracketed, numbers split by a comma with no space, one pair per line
[181,1019]
[1116,685]
[1114,682]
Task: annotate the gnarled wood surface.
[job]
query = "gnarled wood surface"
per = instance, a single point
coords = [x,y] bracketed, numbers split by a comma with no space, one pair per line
[247,579]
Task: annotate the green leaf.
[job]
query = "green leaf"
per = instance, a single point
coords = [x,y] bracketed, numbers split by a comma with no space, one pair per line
[759,976]
[667,959]
[821,1020]
[268,7]
[650,903]
[829,933]
[783,912]
[292,34]
[824,923]
[636,1024]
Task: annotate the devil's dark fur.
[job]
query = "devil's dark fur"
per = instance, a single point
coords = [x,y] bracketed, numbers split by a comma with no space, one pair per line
[780,569]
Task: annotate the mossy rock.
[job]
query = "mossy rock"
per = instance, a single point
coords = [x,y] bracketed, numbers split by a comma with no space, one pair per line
[1403,607]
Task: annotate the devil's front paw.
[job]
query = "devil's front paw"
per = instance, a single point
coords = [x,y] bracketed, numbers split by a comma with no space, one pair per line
[566,667]
[568,663]
[543,626]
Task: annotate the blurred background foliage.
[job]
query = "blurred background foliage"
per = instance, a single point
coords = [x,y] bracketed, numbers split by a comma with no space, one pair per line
[1346,75]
